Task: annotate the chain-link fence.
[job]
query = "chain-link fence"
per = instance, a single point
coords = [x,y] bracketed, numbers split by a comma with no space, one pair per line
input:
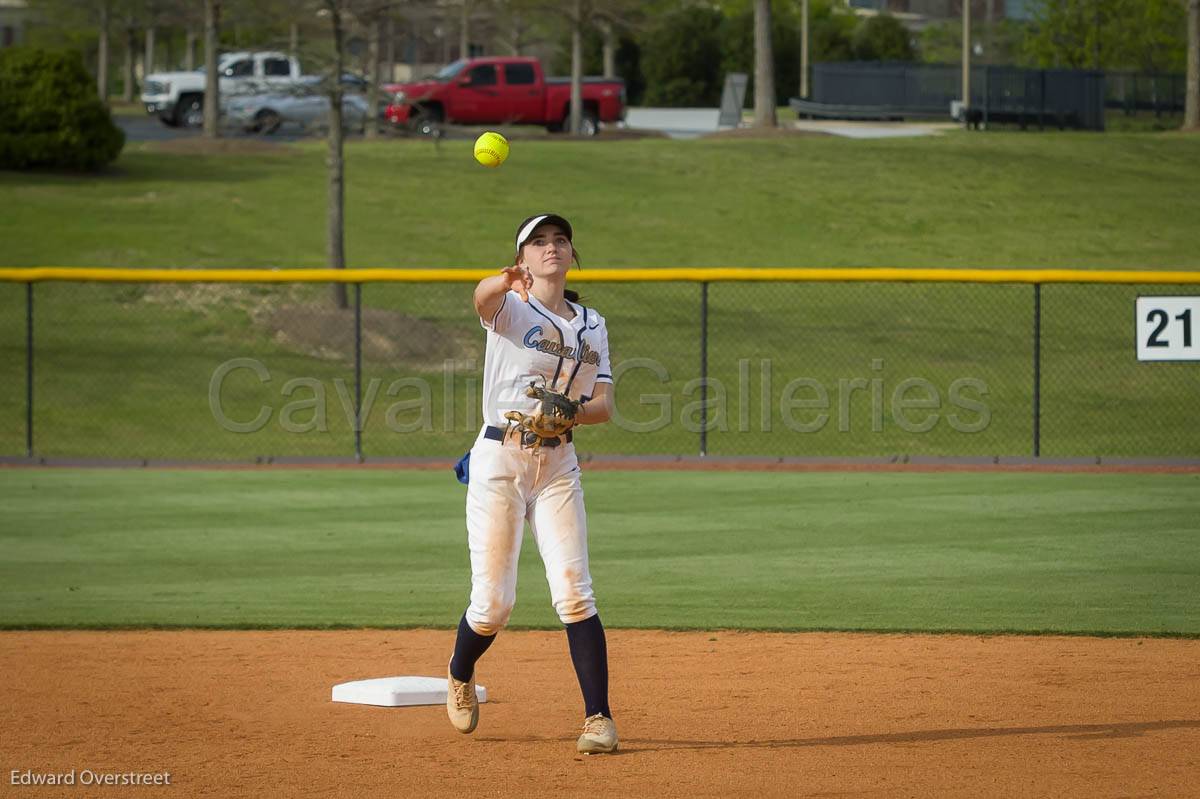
[245,371]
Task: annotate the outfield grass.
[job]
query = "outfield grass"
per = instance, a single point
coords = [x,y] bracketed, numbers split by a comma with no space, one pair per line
[124,371]
[1054,199]
[1109,554]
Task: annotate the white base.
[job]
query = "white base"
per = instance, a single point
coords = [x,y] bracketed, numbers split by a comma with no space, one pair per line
[397,691]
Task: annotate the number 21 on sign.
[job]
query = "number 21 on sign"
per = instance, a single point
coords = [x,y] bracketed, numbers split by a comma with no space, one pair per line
[1167,328]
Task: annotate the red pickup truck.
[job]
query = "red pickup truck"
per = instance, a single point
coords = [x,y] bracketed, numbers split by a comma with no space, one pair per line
[487,91]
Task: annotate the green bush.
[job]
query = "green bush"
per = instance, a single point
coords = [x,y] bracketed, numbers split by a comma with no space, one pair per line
[50,115]
[883,38]
[681,59]
[830,30]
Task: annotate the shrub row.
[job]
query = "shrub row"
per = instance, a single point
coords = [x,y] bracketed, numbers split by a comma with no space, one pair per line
[50,116]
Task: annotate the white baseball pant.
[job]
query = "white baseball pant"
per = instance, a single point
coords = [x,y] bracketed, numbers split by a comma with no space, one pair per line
[509,486]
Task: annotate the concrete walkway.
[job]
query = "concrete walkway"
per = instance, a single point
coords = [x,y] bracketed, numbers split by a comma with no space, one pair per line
[691,123]
[873,130]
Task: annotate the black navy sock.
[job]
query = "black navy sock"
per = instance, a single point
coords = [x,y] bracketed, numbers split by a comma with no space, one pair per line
[468,648]
[589,653]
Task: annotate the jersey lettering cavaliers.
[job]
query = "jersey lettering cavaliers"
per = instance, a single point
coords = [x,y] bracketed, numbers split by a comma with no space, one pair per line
[527,342]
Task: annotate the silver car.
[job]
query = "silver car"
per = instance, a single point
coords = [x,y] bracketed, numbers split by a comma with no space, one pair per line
[308,108]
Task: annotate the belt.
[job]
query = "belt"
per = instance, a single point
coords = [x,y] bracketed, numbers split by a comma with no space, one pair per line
[528,437]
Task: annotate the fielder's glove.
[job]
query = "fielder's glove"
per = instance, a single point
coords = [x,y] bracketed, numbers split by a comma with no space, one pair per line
[554,416]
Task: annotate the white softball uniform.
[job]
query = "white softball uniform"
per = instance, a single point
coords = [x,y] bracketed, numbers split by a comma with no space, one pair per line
[509,485]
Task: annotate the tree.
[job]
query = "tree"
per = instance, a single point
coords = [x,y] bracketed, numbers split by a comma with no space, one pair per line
[1191,111]
[738,50]
[186,16]
[832,30]
[576,19]
[335,249]
[581,18]
[1144,35]
[464,30]
[81,25]
[130,48]
[805,16]
[1069,33]
[515,23]
[941,42]
[882,38]
[1147,35]
[102,51]
[374,25]
[375,16]
[342,15]
[184,20]
[681,58]
[152,10]
[626,58]
[608,48]
[212,86]
[616,21]
[764,67]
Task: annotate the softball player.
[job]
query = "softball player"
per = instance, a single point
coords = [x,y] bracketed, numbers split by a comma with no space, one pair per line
[537,333]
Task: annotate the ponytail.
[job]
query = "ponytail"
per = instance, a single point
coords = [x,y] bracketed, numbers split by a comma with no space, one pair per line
[571,294]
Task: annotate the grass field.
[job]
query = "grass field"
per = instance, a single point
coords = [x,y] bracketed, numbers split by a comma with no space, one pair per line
[124,371]
[1108,554]
[1061,199]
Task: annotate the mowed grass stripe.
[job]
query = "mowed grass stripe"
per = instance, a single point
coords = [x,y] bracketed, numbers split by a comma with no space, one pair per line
[1087,553]
[1052,199]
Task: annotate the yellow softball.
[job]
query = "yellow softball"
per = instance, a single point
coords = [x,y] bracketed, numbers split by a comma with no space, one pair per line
[491,149]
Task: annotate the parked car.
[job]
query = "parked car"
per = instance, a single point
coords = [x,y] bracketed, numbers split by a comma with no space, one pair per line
[308,107]
[177,98]
[488,91]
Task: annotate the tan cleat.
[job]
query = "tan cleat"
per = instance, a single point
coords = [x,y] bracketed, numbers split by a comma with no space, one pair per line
[462,706]
[599,735]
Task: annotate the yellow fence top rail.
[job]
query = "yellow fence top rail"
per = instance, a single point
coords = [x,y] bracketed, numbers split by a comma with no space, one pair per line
[694,275]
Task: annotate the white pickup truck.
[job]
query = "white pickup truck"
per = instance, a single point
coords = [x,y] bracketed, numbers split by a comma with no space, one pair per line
[177,98]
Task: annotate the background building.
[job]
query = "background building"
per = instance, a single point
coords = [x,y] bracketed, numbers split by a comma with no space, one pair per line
[14,17]
[919,13]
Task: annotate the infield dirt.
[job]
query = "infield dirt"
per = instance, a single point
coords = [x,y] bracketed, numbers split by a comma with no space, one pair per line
[244,713]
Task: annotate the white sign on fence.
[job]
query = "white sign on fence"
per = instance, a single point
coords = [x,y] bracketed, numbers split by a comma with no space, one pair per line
[1168,328]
